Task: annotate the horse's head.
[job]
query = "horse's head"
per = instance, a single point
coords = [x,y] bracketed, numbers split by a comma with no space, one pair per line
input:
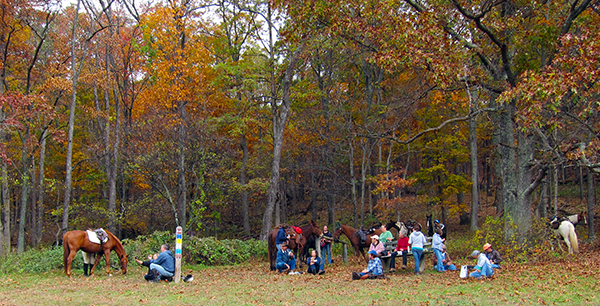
[582,218]
[316,230]
[337,233]
[123,260]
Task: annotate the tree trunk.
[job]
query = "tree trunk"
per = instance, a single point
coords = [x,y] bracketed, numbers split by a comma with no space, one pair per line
[520,211]
[543,206]
[555,185]
[278,209]
[508,168]
[243,182]
[40,189]
[580,168]
[313,195]
[591,203]
[280,115]
[500,148]
[69,161]
[353,183]
[182,184]
[5,222]
[474,174]
[363,181]
[25,187]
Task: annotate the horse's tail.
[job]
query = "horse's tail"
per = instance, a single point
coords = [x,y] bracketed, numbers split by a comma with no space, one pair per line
[66,252]
[573,239]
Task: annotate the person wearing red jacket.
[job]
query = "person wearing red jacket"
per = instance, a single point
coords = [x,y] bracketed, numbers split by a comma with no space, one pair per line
[401,250]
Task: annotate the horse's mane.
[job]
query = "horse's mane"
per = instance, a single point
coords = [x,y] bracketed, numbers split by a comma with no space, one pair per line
[118,245]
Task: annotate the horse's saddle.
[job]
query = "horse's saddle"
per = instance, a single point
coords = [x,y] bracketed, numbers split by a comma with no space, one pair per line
[361,235]
[556,221]
[97,236]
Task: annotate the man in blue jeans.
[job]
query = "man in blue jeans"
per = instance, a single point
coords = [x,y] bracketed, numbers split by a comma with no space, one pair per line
[285,260]
[374,269]
[327,238]
[163,265]
[483,267]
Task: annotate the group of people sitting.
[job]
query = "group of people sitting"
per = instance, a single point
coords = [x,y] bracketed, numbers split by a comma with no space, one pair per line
[442,262]
[486,262]
[286,260]
[160,266]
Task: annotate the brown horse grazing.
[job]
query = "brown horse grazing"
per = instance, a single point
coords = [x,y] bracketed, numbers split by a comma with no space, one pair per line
[350,232]
[310,233]
[74,241]
[293,243]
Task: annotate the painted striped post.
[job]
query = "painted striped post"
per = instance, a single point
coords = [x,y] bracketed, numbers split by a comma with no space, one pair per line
[178,245]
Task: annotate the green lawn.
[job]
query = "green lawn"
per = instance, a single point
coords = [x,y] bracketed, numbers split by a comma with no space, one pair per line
[251,283]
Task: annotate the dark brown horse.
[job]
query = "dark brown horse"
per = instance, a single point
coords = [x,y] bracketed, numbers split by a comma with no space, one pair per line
[74,241]
[310,233]
[350,232]
[293,243]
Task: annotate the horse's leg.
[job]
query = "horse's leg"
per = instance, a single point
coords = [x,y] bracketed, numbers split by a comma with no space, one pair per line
[72,255]
[107,257]
[95,263]
[568,244]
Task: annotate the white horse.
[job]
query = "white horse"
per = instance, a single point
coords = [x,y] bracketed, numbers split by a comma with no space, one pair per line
[566,230]
[578,218]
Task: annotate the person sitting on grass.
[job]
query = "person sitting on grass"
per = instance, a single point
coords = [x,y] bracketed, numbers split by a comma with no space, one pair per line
[161,268]
[492,255]
[483,267]
[373,270]
[285,260]
[315,264]
[147,262]
[377,246]
[447,262]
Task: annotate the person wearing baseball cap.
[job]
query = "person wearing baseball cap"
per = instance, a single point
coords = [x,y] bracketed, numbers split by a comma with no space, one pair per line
[492,255]
[373,270]
[376,246]
[483,267]
[285,260]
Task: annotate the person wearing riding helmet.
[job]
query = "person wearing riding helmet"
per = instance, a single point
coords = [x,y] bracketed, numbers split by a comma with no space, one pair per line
[442,227]
[373,270]
[492,255]
[417,242]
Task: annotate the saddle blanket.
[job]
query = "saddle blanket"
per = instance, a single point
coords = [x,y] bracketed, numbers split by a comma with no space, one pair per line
[93,236]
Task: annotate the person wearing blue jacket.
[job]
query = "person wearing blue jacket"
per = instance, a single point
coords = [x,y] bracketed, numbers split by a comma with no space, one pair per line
[280,238]
[164,264]
[286,260]
[315,264]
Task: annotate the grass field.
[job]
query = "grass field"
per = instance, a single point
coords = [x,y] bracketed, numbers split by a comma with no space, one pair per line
[572,280]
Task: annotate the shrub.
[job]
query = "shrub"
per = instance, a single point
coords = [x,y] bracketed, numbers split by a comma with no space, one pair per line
[535,246]
[36,261]
[197,250]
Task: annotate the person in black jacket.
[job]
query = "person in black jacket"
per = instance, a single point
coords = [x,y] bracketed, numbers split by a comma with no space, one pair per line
[492,255]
